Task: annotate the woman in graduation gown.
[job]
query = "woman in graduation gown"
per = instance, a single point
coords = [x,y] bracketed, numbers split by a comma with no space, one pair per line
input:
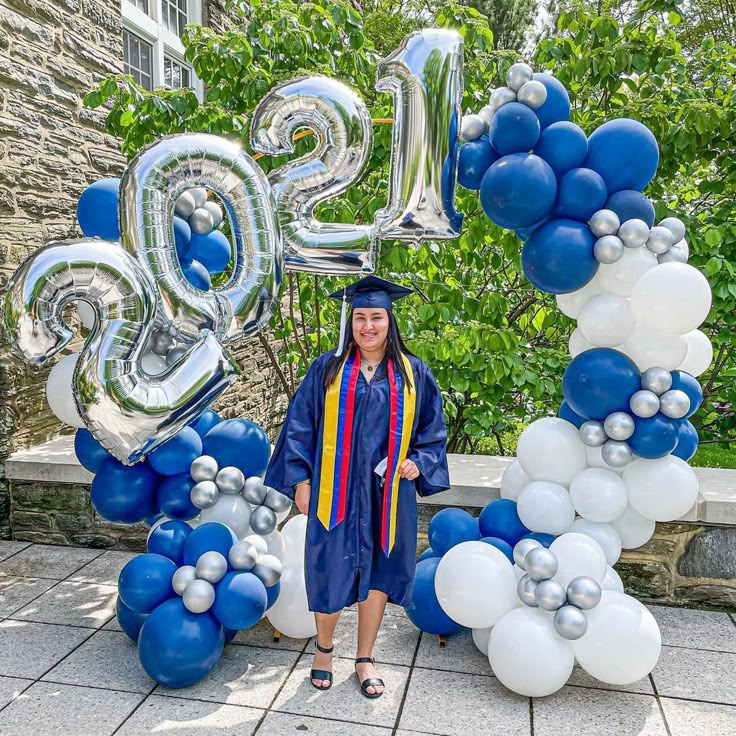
[363,434]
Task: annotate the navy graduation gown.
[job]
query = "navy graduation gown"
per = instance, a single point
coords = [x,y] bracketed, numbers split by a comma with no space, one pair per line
[343,564]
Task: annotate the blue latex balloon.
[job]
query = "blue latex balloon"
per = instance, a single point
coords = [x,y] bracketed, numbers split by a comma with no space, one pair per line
[424,610]
[599,382]
[240,600]
[499,519]
[580,193]
[145,582]
[124,494]
[427,554]
[272,594]
[557,104]
[450,527]
[230,634]
[130,621]
[514,128]
[544,539]
[566,413]
[501,545]
[563,146]
[475,158]
[212,250]
[197,275]
[207,420]
[625,153]
[208,537]
[182,236]
[653,436]
[629,204]
[558,257]
[90,453]
[177,647]
[239,443]
[97,210]
[687,440]
[689,384]
[168,540]
[172,497]
[525,233]
[177,454]
[518,191]
[153,518]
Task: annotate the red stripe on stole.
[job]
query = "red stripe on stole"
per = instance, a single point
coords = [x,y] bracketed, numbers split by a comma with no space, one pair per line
[388,478]
[347,439]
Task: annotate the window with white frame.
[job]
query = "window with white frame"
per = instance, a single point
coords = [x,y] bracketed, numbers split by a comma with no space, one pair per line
[153,53]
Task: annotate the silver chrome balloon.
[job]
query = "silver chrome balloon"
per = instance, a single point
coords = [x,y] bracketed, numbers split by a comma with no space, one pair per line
[149,188]
[532,94]
[175,354]
[522,548]
[673,255]
[254,491]
[644,404]
[604,222]
[525,590]
[674,404]
[243,555]
[657,380]
[211,566]
[184,205]
[500,97]
[518,75]
[550,595]
[660,240]
[198,596]
[485,114]
[203,468]
[633,233]
[199,195]
[204,495]
[263,520]
[541,563]
[619,425]
[268,569]
[675,226]
[215,211]
[182,577]
[608,249]
[592,433]
[617,454]
[570,623]
[425,77]
[277,501]
[201,221]
[584,592]
[472,127]
[341,123]
[128,411]
[230,480]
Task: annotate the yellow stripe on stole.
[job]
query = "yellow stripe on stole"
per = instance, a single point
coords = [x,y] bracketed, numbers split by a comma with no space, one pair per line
[329,450]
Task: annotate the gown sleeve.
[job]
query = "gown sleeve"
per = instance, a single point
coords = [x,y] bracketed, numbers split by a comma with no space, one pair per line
[294,456]
[428,449]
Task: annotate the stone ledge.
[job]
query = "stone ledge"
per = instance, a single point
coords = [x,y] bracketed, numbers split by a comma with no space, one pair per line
[476,480]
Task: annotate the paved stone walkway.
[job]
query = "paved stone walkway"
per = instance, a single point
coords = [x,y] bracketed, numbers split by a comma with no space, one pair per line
[66,669]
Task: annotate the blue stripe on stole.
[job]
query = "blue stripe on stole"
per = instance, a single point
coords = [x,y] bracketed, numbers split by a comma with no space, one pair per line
[389,482]
[340,438]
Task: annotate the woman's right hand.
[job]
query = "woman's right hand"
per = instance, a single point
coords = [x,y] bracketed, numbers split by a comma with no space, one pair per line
[301,498]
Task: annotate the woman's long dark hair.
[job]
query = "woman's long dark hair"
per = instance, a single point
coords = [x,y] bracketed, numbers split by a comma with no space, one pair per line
[394,346]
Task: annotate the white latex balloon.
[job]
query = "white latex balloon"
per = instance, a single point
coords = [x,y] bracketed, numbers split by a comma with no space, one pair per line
[231,510]
[545,507]
[513,481]
[598,494]
[612,581]
[663,489]
[527,655]
[475,584]
[481,638]
[571,304]
[578,554]
[604,534]
[258,542]
[577,343]
[622,643]
[153,364]
[550,449]
[594,459]
[698,355]
[59,393]
[290,614]
[606,320]
[673,299]
[621,277]
[294,534]
[654,350]
[633,528]
[275,542]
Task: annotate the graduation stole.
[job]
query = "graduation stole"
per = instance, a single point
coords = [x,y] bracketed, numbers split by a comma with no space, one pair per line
[337,436]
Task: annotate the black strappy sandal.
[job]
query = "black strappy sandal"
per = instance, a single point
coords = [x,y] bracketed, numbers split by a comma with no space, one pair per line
[369,681]
[321,674]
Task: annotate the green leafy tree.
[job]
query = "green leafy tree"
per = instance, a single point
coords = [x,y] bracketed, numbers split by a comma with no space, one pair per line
[510,21]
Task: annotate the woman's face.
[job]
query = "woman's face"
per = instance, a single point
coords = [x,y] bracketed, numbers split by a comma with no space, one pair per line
[370,327]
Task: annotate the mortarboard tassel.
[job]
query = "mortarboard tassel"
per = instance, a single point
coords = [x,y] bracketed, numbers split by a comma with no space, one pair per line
[343,323]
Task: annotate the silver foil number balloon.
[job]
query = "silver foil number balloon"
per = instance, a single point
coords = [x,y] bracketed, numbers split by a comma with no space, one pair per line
[150,188]
[424,75]
[342,124]
[127,410]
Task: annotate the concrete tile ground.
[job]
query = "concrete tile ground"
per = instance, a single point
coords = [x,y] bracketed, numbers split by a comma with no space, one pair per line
[66,669]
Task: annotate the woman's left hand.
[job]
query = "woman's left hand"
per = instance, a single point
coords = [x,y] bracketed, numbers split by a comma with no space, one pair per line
[408,470]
